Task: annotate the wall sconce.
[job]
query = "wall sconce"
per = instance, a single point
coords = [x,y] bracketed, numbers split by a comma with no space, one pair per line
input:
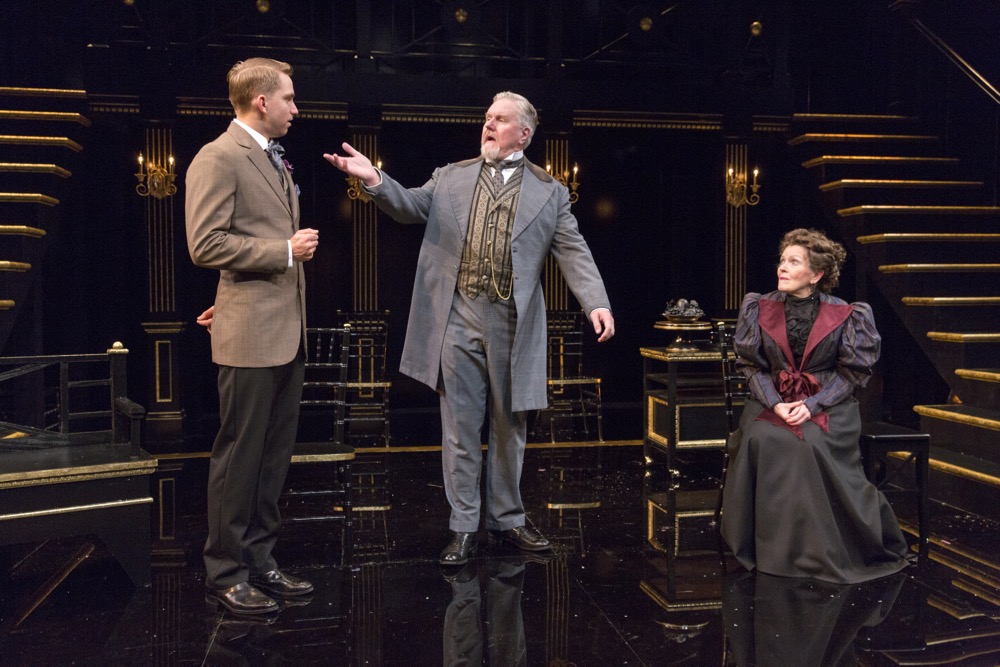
[155,179]
[736,188]
[355,189]
[564,179]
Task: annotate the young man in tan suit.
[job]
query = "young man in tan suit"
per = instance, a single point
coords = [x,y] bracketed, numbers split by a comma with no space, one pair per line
[242,213]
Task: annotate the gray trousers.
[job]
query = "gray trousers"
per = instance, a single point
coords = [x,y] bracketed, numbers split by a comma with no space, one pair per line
[476,377]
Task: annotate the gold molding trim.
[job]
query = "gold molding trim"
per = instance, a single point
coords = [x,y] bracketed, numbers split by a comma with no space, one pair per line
[322,458]
[870,159]
[851,117]
[648,120]
[957,417]
[14,266]
[592,505]
[415,113]
[978,591]
[844,137]
[28,198]
[22,230]
[660,354]
[954,337]
[57,116]
[6,304]
[163,327]
[76,508]
[675,606]
[937,238]
[983,376]
[79,474]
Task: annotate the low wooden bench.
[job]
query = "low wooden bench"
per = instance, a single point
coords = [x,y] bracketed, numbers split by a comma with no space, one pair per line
[71,461]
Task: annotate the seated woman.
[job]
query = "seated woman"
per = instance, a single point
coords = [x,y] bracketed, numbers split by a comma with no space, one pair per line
[796,501]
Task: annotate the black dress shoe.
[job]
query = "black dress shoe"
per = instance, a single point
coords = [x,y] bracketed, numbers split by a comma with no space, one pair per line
[525,539]
[457,552]
[280,584]
[243,599]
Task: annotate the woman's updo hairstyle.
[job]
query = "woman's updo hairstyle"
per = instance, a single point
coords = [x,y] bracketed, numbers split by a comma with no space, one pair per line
[824,255]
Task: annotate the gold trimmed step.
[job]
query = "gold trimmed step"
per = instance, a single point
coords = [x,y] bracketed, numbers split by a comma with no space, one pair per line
[955,337]
[841,137]
[931,237]
[19,139]
[978,374]
[34,168]
[896,183]
[50,116]
[952,413]
[916,209]
[878,159]
[27,198]
[951,300]
[22,230]
[6,304]
[43,92]
[14,266]
[937,268]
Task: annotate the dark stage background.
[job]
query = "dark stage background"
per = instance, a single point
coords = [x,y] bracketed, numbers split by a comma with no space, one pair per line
[651,196]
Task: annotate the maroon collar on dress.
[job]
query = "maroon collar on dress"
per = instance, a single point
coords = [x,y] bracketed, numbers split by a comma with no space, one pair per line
[772,321]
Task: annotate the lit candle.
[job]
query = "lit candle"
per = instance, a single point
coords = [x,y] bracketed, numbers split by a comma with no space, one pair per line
[140,164]
[171,161]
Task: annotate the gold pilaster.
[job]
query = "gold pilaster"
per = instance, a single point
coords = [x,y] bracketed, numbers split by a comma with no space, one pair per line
[365,217]
[735,235]
[164,416]
[553,282]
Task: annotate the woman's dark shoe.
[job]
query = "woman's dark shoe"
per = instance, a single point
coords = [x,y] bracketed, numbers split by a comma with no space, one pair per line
[457,552]
[243,599]
[283,585]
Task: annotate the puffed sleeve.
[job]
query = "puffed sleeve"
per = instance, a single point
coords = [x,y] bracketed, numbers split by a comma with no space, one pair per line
[857,352]
[752,362]
[860,345]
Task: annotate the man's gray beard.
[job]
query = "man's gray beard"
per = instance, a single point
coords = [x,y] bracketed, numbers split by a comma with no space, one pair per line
[490,154]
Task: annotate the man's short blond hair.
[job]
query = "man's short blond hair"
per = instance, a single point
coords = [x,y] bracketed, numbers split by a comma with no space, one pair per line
[252,77]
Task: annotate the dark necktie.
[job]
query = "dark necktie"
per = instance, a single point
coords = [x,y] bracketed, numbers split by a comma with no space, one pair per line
[275,152]
[498,168]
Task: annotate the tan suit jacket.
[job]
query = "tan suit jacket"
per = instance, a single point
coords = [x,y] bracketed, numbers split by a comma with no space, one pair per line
[239,220]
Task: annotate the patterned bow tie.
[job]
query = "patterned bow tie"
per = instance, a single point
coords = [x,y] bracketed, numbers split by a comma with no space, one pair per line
[275,152]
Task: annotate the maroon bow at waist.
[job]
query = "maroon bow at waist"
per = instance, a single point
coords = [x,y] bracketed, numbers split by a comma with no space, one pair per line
[796,386]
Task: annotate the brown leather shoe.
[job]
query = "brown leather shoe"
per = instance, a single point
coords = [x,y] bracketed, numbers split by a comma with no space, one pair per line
[457,552]
[525,539]
[280,584]
[243,599]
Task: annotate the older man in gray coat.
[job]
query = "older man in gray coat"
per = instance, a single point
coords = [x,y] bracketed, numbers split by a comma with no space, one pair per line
[477,324]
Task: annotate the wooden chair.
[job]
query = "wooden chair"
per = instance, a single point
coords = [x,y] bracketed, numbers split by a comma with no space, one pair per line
[574,396]
[735,391]
[887,450]
[323,490]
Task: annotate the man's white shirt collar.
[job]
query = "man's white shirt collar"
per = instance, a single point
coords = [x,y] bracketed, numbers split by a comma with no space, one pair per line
[258,137]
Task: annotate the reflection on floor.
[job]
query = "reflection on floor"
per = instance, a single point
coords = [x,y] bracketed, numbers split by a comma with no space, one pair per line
[634,581]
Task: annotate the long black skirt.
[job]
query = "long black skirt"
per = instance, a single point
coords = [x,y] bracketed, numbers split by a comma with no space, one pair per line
[803,507]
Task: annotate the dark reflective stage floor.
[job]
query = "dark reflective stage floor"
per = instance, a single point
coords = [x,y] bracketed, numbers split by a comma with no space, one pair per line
[613,593]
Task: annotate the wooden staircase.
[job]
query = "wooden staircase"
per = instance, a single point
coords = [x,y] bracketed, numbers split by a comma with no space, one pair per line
[928,240]
[41,130]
